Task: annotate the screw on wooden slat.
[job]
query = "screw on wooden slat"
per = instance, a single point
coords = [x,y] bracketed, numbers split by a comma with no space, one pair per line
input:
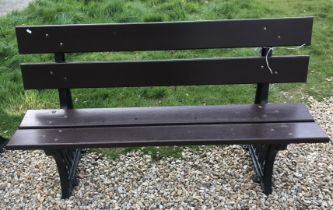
[51,72]
[46,35]
[265,28]
[28,31]
[279,37]
[61,44]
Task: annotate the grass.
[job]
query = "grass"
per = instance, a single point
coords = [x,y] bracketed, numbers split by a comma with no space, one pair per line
[14,101]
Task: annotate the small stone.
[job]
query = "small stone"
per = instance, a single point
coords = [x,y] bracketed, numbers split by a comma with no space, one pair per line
[3,186]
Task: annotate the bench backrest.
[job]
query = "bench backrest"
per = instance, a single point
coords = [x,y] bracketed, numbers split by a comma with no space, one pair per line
[263,33]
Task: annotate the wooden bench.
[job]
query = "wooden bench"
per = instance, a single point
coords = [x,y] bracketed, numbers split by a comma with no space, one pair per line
[264,128]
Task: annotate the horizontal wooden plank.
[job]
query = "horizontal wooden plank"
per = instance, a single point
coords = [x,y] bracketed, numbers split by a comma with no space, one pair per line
[244,70]
[268,133]
[136,116]
[165,36]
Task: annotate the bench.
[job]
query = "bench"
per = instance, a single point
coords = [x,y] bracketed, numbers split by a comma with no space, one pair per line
[262,128]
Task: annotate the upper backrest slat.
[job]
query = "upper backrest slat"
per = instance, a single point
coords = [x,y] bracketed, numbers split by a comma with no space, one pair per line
[165,36]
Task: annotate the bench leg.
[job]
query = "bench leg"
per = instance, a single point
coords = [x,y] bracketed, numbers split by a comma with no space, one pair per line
[3,143]
[245,147]
[263,157]
[67,163]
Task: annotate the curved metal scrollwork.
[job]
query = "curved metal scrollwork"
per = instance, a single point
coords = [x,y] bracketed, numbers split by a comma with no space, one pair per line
[263,156]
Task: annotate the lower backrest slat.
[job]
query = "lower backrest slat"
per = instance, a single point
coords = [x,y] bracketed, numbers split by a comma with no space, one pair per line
[245,70]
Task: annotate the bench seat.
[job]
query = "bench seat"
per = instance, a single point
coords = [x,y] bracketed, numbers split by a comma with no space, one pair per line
[156,126]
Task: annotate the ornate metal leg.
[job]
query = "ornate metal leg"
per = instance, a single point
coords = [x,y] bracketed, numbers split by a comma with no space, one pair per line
[245,147]
[3,143]
[67,162]
[263,157]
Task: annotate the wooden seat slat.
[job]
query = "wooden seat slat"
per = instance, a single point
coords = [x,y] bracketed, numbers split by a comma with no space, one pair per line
[264,133]
[251,113]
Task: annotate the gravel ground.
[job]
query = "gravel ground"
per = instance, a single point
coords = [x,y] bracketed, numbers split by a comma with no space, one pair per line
[7,6]
[208,178]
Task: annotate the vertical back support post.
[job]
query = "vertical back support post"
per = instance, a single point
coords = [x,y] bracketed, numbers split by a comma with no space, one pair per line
[263,88]
[263,155]
[67,160]
[65,95]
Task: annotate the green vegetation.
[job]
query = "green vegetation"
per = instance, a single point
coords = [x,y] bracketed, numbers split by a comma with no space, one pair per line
[14,101]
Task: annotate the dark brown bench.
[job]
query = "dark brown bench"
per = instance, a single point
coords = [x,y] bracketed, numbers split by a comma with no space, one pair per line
[263,128]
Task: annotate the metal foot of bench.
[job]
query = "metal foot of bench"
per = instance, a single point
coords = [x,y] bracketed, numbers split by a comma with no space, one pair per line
[3,143]
[67,163]
[263,157]
[245,147]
